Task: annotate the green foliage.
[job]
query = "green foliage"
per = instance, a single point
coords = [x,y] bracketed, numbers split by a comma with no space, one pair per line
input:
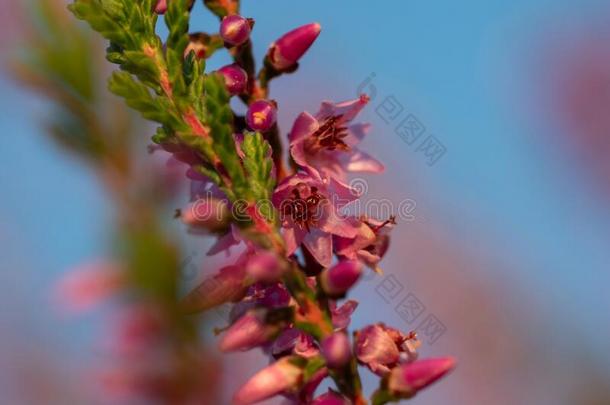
[172,89]
[219,119]
[58,62]
[139,98]
[177,21]
[258,166]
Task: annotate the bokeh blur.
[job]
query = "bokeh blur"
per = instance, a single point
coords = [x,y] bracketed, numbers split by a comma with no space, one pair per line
[492,116]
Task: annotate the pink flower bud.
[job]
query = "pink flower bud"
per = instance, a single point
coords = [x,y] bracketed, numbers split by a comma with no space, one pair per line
[331,398]
[228,285]
[265,267]
[261,115]
[235,29]
[272,380]
[248,332]
[236,79]
[407,379]
[287,50]
[337,280]
[161,7]
[336,350]
[208,213]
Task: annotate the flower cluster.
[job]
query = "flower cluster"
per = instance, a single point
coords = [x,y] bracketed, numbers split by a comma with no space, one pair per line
[289,283]
[334,249]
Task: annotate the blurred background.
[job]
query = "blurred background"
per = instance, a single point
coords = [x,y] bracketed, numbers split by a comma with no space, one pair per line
[493,116]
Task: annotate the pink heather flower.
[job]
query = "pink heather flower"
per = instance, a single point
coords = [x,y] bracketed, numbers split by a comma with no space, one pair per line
[139,329]
[309,208]
[370,244]
[407,379]
[381,348]
[336,350]
[210,214]
[259,295]
[236,79]
[161,7]
[328,142]
[331,398]
[341,316]
[228,285]
[235,29]
[306,393]
[337,280]
[248,332]
[274,379]
[286,51]
[265,267]
[294,341]
[85,287]
[261,115]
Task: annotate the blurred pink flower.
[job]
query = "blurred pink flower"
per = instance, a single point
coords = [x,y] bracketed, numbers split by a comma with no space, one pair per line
[83,288]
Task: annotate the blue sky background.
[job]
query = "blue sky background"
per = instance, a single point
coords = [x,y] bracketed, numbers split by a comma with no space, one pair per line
[506,190]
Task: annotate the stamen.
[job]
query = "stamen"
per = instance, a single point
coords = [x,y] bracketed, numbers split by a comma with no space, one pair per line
[389,221]
[330,136]
[303,211]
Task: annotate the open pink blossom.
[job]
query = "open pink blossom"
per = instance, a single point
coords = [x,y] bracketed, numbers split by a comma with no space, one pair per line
[260,295]
[294,341]
[342,316]
[381,348]
[310,207]
[327,142]
[369,245]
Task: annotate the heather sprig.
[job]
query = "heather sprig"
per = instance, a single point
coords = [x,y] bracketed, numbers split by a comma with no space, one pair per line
[301,253]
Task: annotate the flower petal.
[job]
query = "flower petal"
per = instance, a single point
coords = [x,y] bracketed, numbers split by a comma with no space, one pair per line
[359,161]
[303,126]
[347,109]
[320,245]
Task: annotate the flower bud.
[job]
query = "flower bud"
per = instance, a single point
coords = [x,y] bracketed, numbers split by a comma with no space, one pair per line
[249,331]
[208,213]
[261,115]
[337,280]
[236,79]
[161,7]
[228,285]
[265,267]
[235,29]
[330,398]
[407,379]
[274,379]
[287,50]
[336,350]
